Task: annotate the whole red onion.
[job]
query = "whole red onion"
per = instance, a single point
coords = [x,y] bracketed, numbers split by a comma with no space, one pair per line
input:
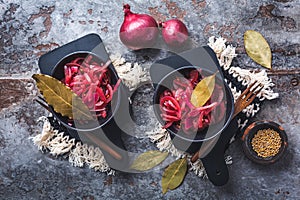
[138,30]
[174,32]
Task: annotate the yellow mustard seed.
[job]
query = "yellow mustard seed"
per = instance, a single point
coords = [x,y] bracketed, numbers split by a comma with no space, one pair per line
[266,143]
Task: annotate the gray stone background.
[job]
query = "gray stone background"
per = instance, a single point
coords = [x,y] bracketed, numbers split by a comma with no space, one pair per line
[29,29]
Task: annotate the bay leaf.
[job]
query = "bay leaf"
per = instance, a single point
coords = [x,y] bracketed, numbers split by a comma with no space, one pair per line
[258,48]
[174,175]
[62,98]
[148,160]
[203,91]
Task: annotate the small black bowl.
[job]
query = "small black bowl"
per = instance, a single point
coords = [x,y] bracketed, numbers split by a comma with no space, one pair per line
[58,73]
[250,132]
[192,142]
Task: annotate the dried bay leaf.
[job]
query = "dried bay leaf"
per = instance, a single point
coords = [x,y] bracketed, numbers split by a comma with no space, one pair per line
[203,91]
[258,48]
[61,98]
[148,160]
[174,175]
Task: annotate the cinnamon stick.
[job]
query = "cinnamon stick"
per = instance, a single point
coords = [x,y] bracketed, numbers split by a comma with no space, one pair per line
[195,157]
[104,146]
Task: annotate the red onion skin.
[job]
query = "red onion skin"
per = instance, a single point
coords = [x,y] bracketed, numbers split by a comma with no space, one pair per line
[174,32]
[138,30]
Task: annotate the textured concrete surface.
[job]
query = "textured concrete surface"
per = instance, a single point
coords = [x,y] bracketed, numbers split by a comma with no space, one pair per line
[29,29]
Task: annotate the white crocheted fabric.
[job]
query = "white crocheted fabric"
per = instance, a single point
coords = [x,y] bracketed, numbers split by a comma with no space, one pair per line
[79,154]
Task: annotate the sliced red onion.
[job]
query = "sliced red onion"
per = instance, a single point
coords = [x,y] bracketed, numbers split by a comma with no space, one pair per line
[177,107]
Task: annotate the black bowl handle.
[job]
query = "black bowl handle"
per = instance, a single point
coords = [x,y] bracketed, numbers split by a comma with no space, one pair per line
[216,169]
[214,163]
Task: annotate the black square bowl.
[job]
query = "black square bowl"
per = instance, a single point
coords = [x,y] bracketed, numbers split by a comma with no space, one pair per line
[102,132]
[108,130]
